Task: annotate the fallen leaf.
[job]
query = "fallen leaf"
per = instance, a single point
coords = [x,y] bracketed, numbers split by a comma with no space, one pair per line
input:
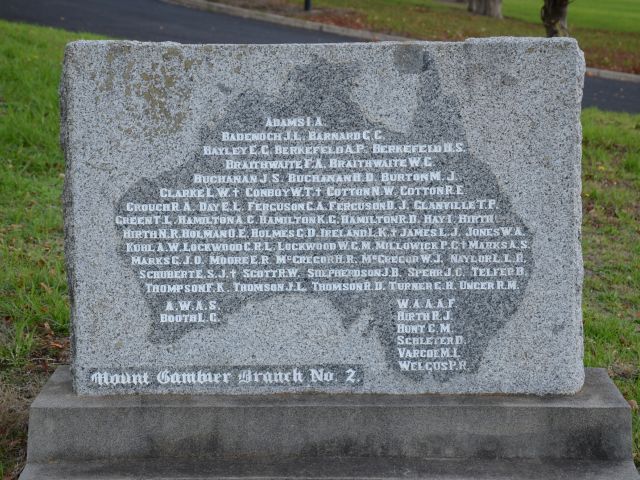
[47,328]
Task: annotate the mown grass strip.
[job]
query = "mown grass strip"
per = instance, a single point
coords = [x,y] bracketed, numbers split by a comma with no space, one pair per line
[608,32]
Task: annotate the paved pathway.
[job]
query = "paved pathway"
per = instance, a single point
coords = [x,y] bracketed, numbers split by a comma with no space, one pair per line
[155,20]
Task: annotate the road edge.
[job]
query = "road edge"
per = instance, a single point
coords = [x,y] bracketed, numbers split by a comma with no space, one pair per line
[613,75]
[286,21]
[348,32]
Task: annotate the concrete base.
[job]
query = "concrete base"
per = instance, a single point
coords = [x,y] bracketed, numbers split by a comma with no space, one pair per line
[453,437]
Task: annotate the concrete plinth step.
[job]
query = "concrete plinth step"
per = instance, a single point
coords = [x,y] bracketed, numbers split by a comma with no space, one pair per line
[440,437]
[335,468]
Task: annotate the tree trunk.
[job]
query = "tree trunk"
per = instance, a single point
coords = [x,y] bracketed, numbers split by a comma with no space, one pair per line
[554,17]
[490,8]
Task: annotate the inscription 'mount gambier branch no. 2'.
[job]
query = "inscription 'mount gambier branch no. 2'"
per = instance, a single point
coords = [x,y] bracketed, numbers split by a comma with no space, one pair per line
[219,378]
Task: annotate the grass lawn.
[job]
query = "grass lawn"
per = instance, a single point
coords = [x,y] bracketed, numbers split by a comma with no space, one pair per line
[611,15]
[34,312]
[608,31]
[33,295]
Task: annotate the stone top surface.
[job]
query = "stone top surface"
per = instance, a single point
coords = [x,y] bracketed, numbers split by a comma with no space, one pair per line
[389,217]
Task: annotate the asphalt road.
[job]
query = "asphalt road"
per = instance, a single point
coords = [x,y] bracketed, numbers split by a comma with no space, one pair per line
[154,20]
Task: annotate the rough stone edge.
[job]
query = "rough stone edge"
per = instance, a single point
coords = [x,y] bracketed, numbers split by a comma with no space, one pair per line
[581,68]
[577,90]
[65,90]
[210,6]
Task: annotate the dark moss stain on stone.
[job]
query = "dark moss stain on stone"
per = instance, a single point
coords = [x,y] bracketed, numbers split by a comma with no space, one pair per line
[591,442]
[411,59]
[240,53]
[188,63]
[169,80]
[509,80]
[127,77]
[223,88]
[171,53]
[114,51]
[164,93]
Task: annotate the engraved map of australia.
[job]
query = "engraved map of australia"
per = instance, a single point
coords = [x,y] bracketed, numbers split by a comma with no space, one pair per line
[302,194]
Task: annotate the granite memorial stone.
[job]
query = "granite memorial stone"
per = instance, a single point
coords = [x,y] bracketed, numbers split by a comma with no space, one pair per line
[392,218]
[336,223]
